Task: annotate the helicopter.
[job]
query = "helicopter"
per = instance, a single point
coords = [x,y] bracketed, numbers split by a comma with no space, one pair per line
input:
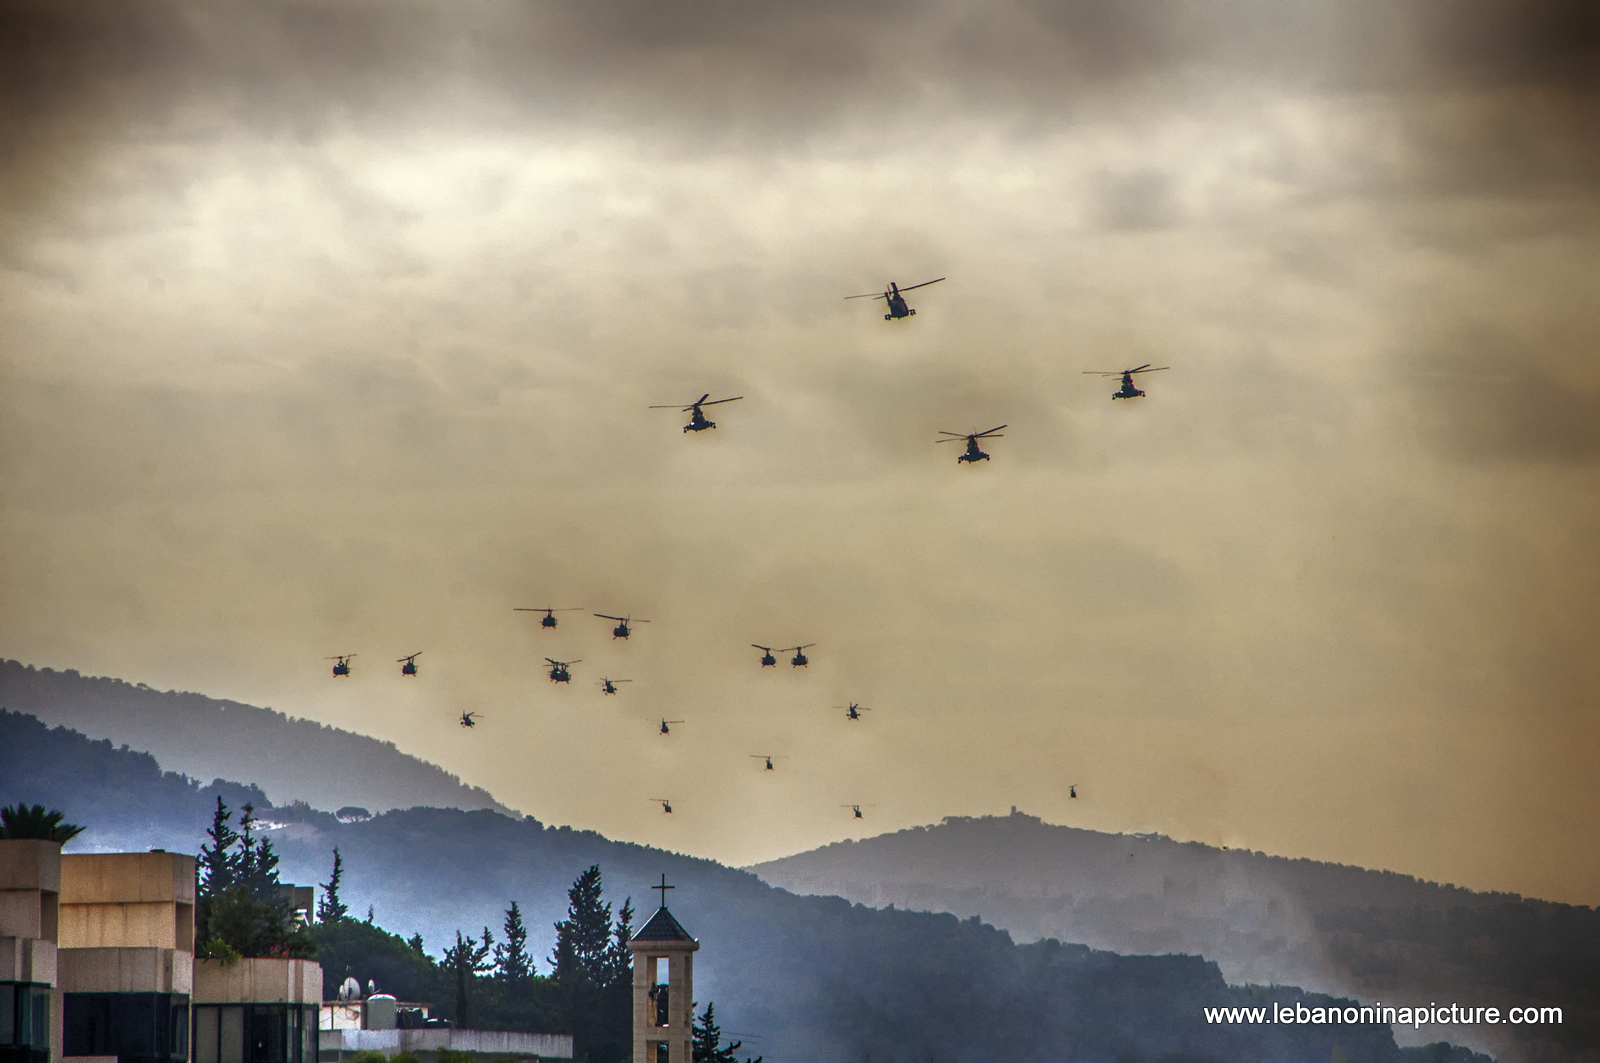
[408,665]
[664,728]
[1072,791]
[768,758]
[343,667]
[697,420]
[621,630]
[666,806]
[856,809]
[558,670]
[1127,391]
[767,659]
[469,719]
[854,711]
[609,686]
[973,454]
[799,660]
[549,618]
[895,298]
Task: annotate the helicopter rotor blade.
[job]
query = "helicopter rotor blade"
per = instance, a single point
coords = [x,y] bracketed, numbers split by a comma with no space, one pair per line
[958,435]
[996,428]
[608,616]
[924,284]
[736,398]
[1141,369]
[1146,368]
[870,295]
[1099,372]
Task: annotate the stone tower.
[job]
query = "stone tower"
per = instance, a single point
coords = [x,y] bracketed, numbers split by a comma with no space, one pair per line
[663,1002]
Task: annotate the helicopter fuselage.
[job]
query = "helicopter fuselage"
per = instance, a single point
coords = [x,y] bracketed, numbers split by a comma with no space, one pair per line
[897,307]
[1127,391]
[548,621]
[973,453]
[698,422]
[408,668]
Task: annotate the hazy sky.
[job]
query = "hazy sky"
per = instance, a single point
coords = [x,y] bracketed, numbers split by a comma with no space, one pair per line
[331,327]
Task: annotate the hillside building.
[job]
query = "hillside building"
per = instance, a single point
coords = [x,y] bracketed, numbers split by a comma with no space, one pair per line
[30,1000]
[256,1010]
[127,955]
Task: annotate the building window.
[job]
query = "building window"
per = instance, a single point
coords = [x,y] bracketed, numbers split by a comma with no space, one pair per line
[135,1027]
[255,1033]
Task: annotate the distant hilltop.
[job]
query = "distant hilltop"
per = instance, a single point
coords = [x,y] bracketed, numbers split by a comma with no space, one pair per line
[206,738]
[1263,919]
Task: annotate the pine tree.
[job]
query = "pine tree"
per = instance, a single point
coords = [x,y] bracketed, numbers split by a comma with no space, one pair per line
[582,939]
[512,959]
[239,910]
[707,1045]
[218,862]
[619,958]
[330,909]
[466,959]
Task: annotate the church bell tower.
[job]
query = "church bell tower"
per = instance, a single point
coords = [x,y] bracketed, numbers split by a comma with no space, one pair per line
[663,988]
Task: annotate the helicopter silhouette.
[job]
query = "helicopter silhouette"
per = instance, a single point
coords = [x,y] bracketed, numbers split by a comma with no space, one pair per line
[1127,391]
[343,667]
[768,758]
[664,728]
[549,619]
[1072,791]
[666,806]
[895,298]
[559,672]
[855,711]
[469,719]
[799,660]
[621,630]
[609,686]
[767,659]
[973,454]
[697,420]
[408,665]
[856,809]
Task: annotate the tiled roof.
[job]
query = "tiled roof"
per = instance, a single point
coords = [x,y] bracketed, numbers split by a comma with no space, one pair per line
[662,927]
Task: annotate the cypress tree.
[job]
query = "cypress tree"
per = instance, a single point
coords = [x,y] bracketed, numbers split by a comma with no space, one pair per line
[330,909]
[512,959]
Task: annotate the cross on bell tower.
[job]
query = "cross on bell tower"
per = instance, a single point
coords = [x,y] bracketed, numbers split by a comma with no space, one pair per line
[663,988]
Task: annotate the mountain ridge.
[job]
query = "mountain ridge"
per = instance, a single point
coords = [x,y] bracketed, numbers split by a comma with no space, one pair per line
[1263,919]
[288,757]
[802,978]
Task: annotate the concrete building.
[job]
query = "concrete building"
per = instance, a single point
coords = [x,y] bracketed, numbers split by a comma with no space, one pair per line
[127,955]
[663,989]
[256,1010]
[30,1001]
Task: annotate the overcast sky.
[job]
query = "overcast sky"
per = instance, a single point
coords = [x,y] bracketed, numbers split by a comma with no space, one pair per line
[332,327]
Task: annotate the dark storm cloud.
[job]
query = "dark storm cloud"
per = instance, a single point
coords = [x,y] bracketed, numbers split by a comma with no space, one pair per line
[299,66]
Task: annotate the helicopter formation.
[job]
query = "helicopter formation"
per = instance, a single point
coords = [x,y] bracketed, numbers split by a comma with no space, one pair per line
[558,671]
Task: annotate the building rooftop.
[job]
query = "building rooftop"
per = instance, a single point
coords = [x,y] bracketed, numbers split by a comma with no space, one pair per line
[662,927]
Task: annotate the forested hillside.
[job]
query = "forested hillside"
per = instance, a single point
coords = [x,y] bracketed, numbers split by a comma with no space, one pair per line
[1263,919]
[810,979]
[290,759]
